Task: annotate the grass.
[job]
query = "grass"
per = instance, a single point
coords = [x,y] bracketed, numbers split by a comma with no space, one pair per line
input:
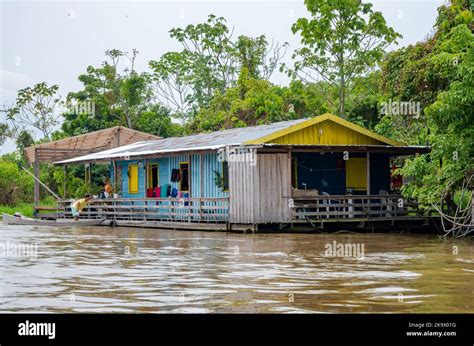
[25,208]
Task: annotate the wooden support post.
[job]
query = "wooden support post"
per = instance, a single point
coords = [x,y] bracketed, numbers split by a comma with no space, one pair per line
[114,163]
[117,138]
[65,182]
[87,173]
[190,176]
[145,186]
[36,167]
[368,173]
[201,172]
[90,176]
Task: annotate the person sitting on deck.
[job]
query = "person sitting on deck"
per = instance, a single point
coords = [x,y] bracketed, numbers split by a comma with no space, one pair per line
[77,206]
[108,188]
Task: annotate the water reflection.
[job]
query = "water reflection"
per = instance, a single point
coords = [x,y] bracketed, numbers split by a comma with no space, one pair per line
[103,269]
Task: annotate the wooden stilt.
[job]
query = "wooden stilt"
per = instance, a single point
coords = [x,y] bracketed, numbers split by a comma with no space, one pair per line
[114,163]
[36,168]
[368,173]
[65,182]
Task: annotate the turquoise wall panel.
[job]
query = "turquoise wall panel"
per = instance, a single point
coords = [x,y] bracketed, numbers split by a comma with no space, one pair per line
[210,164]
[141,179]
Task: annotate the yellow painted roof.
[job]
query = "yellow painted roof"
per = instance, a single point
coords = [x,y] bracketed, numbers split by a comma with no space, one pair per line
[319,119]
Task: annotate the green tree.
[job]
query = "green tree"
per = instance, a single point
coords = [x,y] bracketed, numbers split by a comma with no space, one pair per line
[157,121]
[15,184]
[172,77]
[24,140]
[5,133]
[418,73]
[259,57]
[439,73]
[451,121]
[209,63]
[34,108]
[254,101]
[343,39]
[113,97]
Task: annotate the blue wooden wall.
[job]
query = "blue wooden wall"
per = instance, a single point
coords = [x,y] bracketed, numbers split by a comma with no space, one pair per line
[210,164]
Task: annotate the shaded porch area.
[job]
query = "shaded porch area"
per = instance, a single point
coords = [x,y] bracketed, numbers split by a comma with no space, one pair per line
[349,184]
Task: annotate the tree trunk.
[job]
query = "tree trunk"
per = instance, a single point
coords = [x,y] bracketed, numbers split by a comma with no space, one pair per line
[342,100]
[129,120]
[450,203]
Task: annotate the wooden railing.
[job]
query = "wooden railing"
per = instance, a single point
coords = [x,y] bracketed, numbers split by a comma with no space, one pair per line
[153,209]
[352,206]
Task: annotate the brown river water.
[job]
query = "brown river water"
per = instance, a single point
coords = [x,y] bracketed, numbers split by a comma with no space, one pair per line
[103,269]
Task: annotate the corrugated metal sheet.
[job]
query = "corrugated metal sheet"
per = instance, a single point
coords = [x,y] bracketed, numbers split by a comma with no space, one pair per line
[325,129]
[202,141]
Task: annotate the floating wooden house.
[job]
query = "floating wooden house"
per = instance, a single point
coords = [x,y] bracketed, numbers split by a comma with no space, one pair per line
[71,147]
[310,172]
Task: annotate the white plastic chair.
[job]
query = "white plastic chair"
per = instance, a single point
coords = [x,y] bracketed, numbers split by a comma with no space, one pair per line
[329,204]
[385,203]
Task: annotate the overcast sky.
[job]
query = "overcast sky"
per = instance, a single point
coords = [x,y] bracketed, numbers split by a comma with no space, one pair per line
[55,41]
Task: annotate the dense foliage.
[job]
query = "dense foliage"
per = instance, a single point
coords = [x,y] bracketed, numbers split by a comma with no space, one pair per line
[437,73]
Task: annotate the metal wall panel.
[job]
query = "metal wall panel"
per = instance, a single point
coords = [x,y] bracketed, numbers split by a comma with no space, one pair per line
[210,164]
[326,133]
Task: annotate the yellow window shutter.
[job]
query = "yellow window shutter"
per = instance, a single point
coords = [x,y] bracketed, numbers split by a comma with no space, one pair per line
[356,173]
[149,179]
[133,178]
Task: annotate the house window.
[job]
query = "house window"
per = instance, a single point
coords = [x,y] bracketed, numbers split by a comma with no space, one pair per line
[133,178]
[152,176]
[225,176]
[184,173]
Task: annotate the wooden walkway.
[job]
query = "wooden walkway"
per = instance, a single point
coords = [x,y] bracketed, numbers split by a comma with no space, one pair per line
[195,210]
[315,212]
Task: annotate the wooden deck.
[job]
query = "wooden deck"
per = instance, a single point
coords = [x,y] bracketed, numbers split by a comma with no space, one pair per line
[341,207]
[368,212]
[190,210]
[310,212]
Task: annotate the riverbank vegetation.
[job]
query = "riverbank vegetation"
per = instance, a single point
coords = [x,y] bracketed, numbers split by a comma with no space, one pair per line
[348,64]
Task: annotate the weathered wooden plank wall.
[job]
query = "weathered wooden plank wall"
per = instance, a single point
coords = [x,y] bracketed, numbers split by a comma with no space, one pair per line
[260,193]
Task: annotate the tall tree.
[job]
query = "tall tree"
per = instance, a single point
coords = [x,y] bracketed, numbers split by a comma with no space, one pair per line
[449,71]
[343,39]
[34,109]
[114,97]
[172,82]
[5,133]
[255,101]
[209,63]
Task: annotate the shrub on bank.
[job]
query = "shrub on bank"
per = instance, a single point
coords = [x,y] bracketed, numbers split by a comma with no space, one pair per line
[15,185]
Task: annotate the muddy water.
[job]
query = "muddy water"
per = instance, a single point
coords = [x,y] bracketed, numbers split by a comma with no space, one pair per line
[102,269]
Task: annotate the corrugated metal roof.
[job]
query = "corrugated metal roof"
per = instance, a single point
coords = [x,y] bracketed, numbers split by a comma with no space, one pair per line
[202,141]
[87,143]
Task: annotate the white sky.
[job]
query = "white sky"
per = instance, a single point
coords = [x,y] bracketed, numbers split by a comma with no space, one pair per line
[55,41]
